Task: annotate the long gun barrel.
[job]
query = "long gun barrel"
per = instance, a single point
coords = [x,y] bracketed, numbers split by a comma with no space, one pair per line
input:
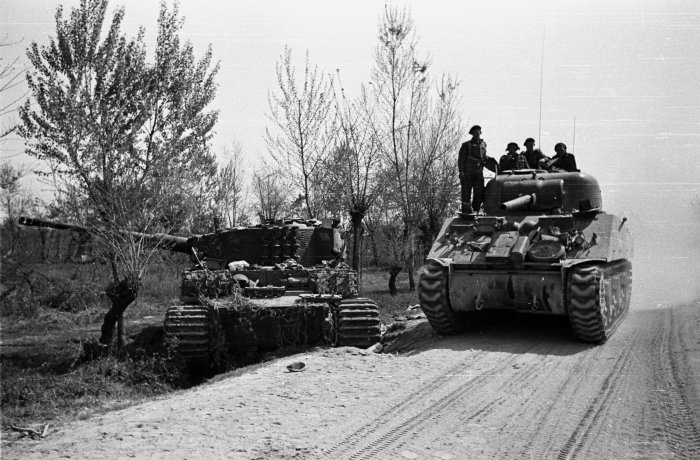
[519,203]
[162,240]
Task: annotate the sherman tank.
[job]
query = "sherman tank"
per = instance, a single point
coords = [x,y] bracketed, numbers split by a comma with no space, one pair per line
[261,288]
[543,244]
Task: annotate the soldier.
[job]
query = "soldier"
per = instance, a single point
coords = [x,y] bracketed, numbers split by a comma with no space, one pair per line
[562,160]
[471,160]
[513,159]
[535,157]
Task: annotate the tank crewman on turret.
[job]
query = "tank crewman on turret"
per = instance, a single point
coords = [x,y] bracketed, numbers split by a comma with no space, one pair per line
[535,157]
[471,160]
[513,159]
[562,160]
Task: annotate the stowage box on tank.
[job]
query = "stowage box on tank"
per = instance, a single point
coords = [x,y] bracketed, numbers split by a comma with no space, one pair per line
[543,244]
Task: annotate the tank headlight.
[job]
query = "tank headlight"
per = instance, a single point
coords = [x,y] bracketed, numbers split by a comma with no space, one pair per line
[546,251]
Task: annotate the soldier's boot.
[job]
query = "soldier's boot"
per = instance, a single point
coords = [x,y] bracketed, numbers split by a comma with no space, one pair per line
[466,207]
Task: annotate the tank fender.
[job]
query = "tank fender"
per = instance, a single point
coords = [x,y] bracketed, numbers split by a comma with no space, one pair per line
[568,263]
[445,262]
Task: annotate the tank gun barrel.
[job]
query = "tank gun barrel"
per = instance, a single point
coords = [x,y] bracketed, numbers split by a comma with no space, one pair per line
[31,222]
[520,203]
[162,240]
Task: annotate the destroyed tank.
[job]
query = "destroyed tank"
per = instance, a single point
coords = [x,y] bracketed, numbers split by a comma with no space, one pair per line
[543,244]
[261,288]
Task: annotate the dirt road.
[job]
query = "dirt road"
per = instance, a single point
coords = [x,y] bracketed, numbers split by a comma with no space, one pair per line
[514,388]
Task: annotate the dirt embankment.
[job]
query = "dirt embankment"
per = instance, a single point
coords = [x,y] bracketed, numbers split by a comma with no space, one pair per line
[516,387]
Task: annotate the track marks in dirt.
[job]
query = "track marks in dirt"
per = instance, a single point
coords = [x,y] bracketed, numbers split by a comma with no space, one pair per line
[680,430]
[433,407]
[592,419]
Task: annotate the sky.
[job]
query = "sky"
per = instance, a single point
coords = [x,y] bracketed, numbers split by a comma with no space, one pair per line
[618,82]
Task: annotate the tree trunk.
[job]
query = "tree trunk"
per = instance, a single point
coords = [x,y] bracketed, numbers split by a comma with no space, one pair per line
[393,273]
[121,294]
[357,231]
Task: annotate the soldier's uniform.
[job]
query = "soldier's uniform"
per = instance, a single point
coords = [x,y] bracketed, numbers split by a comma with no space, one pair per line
[565,162]
[533,158]
[513,162]
[472,156]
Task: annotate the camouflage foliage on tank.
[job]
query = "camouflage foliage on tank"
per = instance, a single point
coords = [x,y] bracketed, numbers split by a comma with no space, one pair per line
[207,283]
[338,281]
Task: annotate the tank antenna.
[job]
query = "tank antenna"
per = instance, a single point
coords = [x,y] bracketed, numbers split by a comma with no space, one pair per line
[539,136]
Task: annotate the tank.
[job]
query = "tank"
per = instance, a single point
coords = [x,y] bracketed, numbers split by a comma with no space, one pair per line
[543,244]
[261,288]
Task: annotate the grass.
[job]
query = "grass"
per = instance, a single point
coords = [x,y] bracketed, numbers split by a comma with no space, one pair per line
[44,326]
[375,285]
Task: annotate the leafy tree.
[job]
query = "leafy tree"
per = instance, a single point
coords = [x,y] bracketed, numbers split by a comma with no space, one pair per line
[299,139]
[127,140]
[415,129]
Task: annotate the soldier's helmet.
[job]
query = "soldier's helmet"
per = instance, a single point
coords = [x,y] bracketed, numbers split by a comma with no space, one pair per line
[512,147]
[474,128]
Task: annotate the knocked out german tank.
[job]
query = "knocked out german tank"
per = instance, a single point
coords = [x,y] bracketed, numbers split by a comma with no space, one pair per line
[543,244]
[266,287]
[261,288]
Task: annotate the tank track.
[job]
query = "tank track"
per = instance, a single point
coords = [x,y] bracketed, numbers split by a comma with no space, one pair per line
[435,301]
[356,323]
[197,331]
[598,299]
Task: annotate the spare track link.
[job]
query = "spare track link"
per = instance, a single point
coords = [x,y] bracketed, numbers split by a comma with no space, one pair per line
[197,331]
[598,299]
[356,323]
[435,301]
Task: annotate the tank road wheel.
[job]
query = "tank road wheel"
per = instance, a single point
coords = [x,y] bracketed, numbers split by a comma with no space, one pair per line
[197,333]
[599,298]
[356,323]
[435,301]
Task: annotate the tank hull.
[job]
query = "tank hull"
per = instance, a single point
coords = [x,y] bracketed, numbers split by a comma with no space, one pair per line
[532,290]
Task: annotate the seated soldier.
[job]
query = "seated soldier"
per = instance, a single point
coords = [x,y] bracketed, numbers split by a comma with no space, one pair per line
[562,161]
[513,159]
[535,157]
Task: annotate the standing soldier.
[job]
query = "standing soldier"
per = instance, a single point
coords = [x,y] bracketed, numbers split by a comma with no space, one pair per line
[472,156]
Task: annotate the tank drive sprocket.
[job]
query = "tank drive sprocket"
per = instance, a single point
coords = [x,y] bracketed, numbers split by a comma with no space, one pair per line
[356,323]
[197,333]
[434,299]
[598,299]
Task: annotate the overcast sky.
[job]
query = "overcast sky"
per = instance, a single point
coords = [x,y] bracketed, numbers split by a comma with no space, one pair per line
[627,72]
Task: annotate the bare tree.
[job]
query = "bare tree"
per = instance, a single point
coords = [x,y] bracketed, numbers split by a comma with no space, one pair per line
[354,164]
[270,193]
[300,114]
[229,198]
[414,129]
[11,77]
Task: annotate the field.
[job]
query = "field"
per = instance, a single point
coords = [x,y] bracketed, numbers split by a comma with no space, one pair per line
[45,324]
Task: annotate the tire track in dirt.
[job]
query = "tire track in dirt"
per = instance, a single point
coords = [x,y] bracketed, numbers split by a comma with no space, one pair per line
[680,429]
